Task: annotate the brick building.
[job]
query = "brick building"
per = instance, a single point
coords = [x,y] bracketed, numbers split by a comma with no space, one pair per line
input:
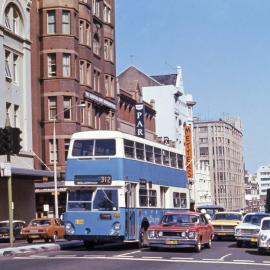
[73,62]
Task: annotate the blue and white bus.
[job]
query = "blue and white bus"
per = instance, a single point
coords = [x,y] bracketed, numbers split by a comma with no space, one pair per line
[118,185]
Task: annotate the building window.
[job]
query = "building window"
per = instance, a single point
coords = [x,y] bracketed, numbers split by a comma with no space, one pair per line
[204,151]
[7,65]
[51,22]
[16,114]
[88,35]
[82,72]
[67,142]
[96,44]
[107,13]
[108,50]
[81,32]
[51,65]
[96,80]
[66,22]
[66,65]
[67,108]
[52,107]
[51,151]
[95,7]
[89,114]
[15,68]
[13,19]
[88,74]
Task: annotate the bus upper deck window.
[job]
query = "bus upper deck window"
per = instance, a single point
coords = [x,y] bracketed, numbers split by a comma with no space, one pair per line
[105,147]
[129,148]
[157,154]
[83,148]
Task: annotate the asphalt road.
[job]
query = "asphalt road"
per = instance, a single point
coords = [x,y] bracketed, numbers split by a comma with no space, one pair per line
[223,254]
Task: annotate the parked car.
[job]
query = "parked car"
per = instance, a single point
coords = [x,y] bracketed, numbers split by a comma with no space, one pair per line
[248,230]
[44,228]
[17,226]
[181,229]
[264,236]
[224,223]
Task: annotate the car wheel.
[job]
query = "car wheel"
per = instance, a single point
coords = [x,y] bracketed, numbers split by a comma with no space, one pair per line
[198,247]
[29,240]
[46,240]
[54,237]
[209,244]
[153,248]
[239,243]
[261,251]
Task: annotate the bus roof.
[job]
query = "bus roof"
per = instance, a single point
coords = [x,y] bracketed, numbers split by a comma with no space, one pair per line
[108,134]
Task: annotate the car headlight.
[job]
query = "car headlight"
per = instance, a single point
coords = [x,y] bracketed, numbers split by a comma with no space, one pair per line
[184,234]
[152,234]
[191,235]
[117,226]
[69,228]
[238,231]
[160,234]
[256,231]
[263,237]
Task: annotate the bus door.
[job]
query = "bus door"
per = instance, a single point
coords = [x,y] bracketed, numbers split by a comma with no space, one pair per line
[131,224]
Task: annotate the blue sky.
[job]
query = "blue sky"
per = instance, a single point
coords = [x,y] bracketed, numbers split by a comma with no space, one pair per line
[223,47]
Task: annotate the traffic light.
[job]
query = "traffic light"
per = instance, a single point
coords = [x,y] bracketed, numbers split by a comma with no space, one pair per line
[10,141]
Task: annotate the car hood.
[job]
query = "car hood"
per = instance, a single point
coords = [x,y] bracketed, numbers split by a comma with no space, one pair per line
[172,227]
[225,222]
[247,226]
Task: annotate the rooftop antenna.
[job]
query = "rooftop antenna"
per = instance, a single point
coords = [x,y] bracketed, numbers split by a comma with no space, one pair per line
[169,65]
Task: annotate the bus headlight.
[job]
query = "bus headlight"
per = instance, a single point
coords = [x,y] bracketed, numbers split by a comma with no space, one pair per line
[69,228]
[117,226]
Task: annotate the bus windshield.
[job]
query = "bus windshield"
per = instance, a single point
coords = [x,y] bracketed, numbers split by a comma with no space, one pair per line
[79,200]
[101,147]
[106,200]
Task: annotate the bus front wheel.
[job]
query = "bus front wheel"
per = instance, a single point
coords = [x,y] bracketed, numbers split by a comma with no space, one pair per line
[89,244]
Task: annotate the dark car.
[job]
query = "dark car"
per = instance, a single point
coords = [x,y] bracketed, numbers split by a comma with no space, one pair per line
[181,229]
[17,226]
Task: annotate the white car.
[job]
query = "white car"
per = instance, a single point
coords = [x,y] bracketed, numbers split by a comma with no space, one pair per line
[248,230]
[264,236]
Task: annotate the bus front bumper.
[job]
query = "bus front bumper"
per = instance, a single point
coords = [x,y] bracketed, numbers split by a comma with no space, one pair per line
[95,238]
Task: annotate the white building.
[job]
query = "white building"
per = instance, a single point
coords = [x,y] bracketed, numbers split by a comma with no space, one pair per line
[173,106]
[16,105]
[263,175]
[252,194]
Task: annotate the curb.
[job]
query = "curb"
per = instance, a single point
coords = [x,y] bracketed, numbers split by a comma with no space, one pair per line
[34,249]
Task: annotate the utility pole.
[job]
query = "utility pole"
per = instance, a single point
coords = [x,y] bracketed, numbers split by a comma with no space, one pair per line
[10,203]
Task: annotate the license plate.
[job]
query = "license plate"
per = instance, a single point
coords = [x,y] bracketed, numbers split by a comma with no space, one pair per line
[171,242]
[221,233]
[33,231]
[79,221]
[253,239]
[33,236]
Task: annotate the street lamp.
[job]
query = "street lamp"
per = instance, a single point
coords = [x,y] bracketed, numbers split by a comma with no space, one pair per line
[54,157]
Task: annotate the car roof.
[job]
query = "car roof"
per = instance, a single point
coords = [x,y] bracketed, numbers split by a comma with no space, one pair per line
[183,212]
[238,213]
[259,214]
[7,221]
[266,218]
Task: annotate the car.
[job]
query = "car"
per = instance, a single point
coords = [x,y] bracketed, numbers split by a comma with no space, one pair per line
[224,223]
[181,229]
[264,236]
[44,228]
[17,226]
[248,230]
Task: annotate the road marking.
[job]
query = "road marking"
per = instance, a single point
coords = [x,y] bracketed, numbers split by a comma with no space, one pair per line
[94,256]
[66,255]
[156,259]
[223,257]
[149,257]
[125,254]
[244,261]
[210,259]
[266,262]
[180,258]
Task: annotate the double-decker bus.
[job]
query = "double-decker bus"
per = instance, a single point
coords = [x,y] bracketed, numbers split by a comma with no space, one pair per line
[118,185]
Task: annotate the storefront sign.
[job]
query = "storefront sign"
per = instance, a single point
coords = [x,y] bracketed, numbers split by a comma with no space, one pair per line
[139,120]
[188,150]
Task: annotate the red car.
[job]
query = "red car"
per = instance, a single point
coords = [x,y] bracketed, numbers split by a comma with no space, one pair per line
[181,229]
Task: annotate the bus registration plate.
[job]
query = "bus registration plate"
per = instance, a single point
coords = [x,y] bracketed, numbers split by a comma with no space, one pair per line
[79,221]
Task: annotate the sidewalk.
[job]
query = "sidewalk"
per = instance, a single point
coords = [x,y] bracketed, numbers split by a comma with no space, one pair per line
[37,248]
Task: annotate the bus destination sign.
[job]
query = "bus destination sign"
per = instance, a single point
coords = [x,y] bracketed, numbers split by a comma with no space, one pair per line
[93,180]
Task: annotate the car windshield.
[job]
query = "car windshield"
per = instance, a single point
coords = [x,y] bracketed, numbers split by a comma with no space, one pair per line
[4,224]
[266,224]
[254,219]
[179,218]
[227,216]
[41,222]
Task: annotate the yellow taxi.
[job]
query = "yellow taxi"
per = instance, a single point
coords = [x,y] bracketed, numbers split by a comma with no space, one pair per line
[224,223]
